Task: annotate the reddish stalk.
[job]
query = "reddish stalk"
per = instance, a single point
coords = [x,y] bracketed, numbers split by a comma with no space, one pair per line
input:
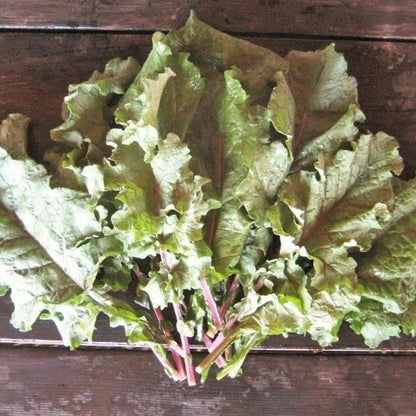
[218,350]
[211,303]
[231,294]
[212,222]
[208,342]
[176,350]
[189,368]
[167,365]
[175,354]
[190,373]
[220,337]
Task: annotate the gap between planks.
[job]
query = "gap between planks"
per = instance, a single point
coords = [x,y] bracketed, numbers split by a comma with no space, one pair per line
[197,348]
[252,35]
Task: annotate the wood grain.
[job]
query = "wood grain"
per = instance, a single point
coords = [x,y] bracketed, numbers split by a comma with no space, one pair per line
[42,382]
[389,19]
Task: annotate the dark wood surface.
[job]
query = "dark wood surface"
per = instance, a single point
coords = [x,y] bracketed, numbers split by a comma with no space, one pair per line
[128,383]
[328,18]
[45,46]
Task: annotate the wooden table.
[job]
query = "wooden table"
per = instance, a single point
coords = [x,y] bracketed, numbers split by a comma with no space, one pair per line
[46,45]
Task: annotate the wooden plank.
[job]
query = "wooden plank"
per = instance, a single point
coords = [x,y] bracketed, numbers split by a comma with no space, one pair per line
[52,382]
[36,83]
[364,18]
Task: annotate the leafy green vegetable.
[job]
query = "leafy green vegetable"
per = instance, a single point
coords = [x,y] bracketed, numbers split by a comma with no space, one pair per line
[228,188]
[46,264]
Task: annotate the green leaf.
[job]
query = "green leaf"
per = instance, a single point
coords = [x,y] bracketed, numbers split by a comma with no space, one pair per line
[180,97]
[162,200]
[29,272]
[216,52]
[391,256]
[342,132]
[20,201]
[394,294]
[234,149]
[183,101]
[75,319]
[387,274]
[282,108]
[254,252]
[327,312]
[197,313]
[134,102]
[166,91]
[87,105]
[340,206]
[88,114]
[409,320]
[43,270]
[321,91]
[374,323]
[115,274]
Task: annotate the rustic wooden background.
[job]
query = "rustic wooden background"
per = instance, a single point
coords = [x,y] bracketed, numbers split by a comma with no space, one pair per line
[48,44]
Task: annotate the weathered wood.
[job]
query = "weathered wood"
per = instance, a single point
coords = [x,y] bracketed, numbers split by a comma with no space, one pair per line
[363,18]
[51,382]
[36,83]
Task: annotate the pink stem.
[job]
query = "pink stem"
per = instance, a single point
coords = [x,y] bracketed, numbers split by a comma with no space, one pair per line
[189,368]
[190,373]
[179,365]
[176,350]
[211,303]
[168,366]
[230,296]
[220,337]
[220,360]
[212,356]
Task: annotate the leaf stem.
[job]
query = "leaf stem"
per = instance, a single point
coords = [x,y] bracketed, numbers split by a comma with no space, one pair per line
[208,342]
[177,352]
[238,362]
[220,337]
[167,365]
[175,348]
[212,357]
[211,303]
[230,297]
[189,368]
